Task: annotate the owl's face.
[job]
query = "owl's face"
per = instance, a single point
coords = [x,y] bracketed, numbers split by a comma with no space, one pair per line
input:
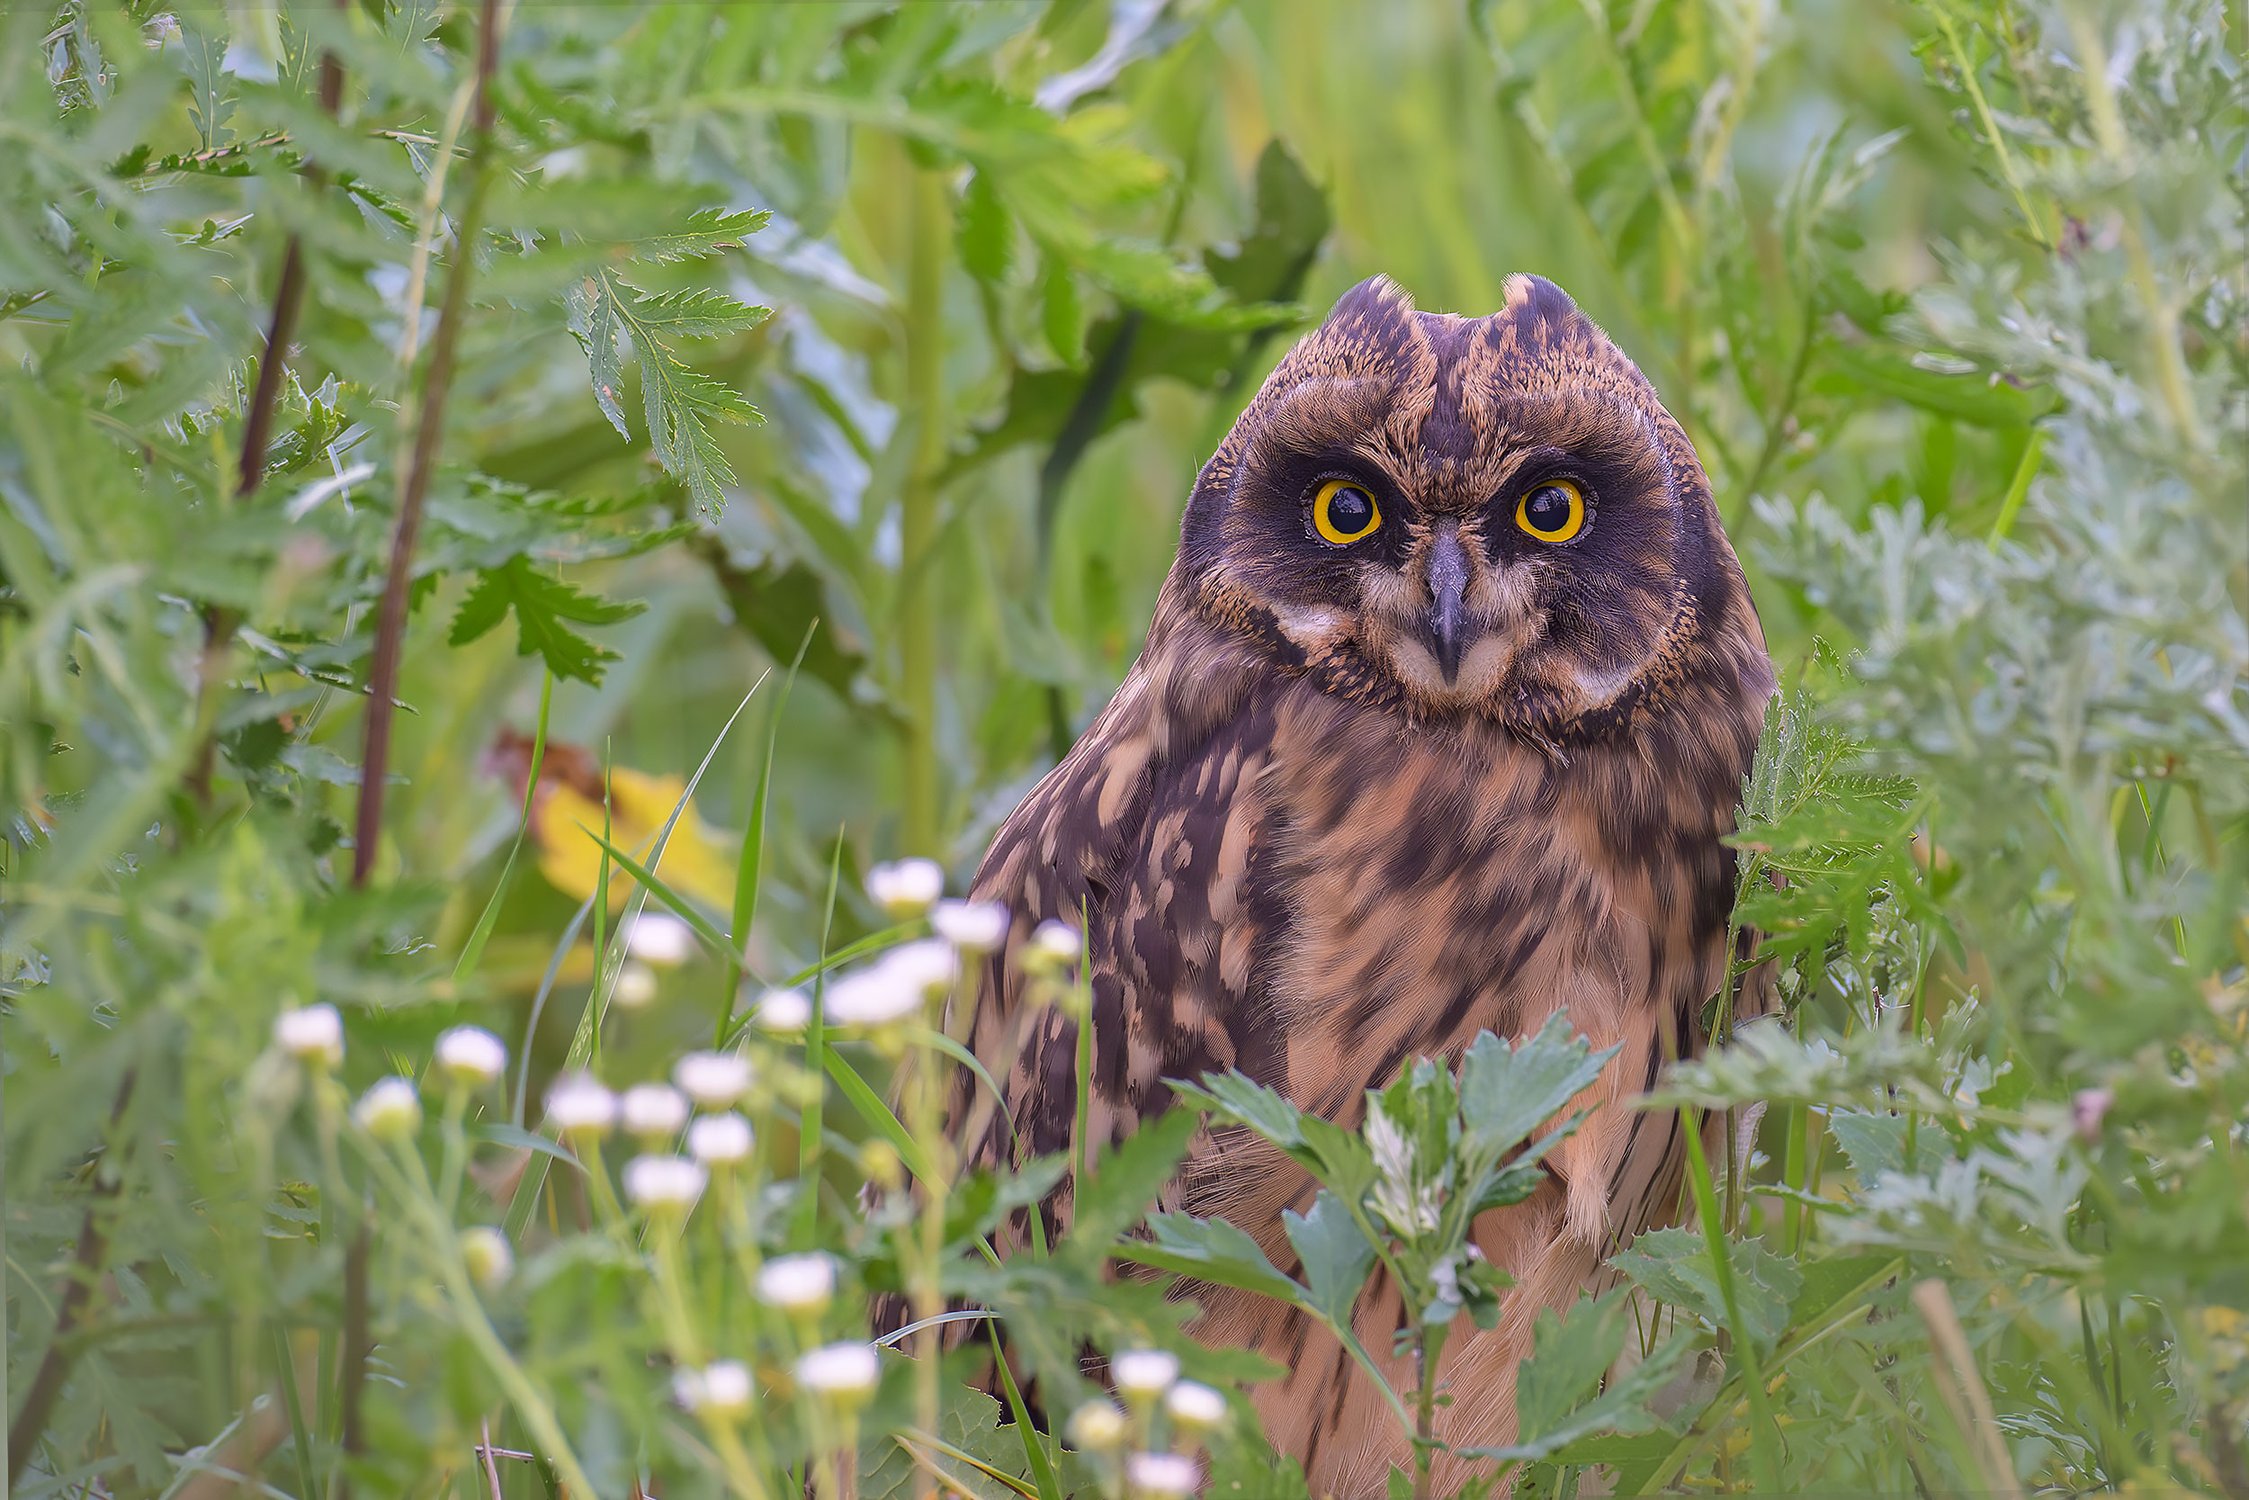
[1468,517]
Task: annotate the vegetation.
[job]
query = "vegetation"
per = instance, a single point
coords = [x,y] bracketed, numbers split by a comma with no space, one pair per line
[509,512]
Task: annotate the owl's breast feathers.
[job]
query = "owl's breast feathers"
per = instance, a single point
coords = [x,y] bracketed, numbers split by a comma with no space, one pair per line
[1298,882]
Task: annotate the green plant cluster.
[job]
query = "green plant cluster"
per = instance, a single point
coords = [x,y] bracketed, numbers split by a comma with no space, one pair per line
[511,514]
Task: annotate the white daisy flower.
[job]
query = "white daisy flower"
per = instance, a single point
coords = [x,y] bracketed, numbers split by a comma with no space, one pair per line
[653,1111]
[907,888]
[659,938]
[783,1012]
[720,1389]
[720,1140]
[488,1256]
[714,1080]
[471,1056]
[580,1109]
[1056,945]
[1144,1374]
[1098,1427]
[1195,1406]
[313,1035]
[844,1374]
[971,926]
[664,1184]
[797,1283]
[636,986]
[1162,1476]
[391,1110]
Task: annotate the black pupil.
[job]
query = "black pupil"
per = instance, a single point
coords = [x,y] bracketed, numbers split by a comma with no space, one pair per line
[1350,510]
[1549,508]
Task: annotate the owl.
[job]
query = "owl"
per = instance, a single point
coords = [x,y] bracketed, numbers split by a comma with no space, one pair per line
[1439,727]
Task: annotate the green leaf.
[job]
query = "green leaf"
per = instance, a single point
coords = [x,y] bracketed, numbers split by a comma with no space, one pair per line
[544,608]
[1507,1092]
[1569,1357]
[1336,1255]
[1126,1179]
[1976,398]
[1337,1157]
[1674,1266]
[986,232]
[1209,1250]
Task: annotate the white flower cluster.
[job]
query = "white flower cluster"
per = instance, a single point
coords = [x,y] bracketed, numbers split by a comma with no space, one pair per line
[899,984]
[1145,1380]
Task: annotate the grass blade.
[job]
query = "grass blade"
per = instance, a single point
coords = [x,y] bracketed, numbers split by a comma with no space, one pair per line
[749,869]
[472,952]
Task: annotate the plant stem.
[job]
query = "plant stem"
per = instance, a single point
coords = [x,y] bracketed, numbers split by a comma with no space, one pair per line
[2163,317]
[85,1269]
[1764,1428]
[390,627]
[931,229]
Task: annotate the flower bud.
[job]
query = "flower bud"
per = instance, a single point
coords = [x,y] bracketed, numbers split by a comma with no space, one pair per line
[486,1253]
[720,1140]
[653,1111]
[659,938]
[722,1389]
[664,1185]
[1143,1375]
[974,927]
[580,1109]
[797,1284]
[844,1375]
[313,1036]
[471,1057]
[1195,1407]
[390,1111]
[1098,1427]
[636,986]
[1161,1476]
[782,1012]
[907,888]
[714,1080]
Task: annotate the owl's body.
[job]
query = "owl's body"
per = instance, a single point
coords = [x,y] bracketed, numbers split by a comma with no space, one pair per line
[1360,800]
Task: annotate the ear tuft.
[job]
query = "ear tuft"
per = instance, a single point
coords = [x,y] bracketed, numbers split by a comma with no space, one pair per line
[1376,298]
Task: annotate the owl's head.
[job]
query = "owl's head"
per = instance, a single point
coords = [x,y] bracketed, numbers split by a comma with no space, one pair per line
[1490,518]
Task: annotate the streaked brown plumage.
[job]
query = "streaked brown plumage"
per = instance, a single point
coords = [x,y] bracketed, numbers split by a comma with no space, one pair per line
[1356,803]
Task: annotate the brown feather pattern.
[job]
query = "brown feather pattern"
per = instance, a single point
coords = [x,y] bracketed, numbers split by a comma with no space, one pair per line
[1300,853]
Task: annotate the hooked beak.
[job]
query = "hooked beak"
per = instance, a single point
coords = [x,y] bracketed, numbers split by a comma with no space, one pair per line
[1448,581]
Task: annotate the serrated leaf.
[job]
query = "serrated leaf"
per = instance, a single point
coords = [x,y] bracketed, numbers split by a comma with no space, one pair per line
[1211,1250]
[986,232]
[1335,1254]
[1674,1266]
[210,94]
[1507,1092]
[706,232]
[697,314]
[1337,1157]
[1554,1404]
[1126,1179]
[544,608]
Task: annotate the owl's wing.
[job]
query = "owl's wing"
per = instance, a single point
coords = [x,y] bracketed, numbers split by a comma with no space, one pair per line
[1143,838]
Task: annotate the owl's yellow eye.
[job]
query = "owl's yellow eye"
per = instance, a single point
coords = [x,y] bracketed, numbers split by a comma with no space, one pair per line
[1553,511]
[1343,512]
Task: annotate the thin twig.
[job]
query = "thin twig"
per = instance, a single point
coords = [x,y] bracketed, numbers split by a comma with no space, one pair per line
[491,1465]
[1965,1392]
[77,1299]
[390,626]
